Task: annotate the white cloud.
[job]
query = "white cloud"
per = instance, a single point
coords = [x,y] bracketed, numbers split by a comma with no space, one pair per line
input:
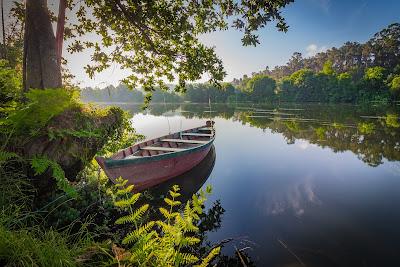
[313,49]
[323,4]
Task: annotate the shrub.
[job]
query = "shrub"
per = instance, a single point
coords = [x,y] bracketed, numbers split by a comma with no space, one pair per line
[10,86]
[42,105]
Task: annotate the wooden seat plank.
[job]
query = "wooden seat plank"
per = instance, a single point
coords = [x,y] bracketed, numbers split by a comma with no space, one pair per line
[197,134]
[166,149]
[206,129]
[132,157]
[185,141]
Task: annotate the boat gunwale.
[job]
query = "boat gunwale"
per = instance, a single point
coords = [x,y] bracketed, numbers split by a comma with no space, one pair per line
[114,163]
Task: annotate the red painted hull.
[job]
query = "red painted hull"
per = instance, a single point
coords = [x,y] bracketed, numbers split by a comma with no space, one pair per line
[147,174]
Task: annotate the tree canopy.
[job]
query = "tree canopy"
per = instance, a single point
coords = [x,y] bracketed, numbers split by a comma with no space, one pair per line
[158,41]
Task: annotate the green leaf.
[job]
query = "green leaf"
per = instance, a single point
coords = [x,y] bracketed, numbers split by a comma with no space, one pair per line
[135,217]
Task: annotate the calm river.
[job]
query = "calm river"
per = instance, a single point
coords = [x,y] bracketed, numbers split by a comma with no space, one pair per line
[303,185]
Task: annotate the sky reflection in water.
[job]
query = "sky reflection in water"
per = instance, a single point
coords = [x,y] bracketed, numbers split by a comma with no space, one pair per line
[322,180]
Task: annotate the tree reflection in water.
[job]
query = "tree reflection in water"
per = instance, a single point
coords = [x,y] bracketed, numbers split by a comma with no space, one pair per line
[372,133]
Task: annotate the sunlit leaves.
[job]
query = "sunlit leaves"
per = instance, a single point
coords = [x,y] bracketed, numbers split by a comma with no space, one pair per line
[161,242]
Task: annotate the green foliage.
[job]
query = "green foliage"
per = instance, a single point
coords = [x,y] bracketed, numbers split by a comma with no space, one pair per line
[328,68]
[366,128]
[122,137]
[261,88]
[10,87]
[375,73]
[6,156]
[162,242]
[395,85]
[40,166]
[160,42]
[320,132]
[33,248]
[123,94]
[23,239]
[392,120]
[42,105]
[352,73]
[293,126]
[299,78]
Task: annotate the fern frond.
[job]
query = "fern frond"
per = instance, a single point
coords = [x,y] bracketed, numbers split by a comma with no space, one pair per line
[189,241]
[165,213]
[41,164]
[138,233]
[174,194]
[121,182]
[171,202]
[206,261]
[186,224]
[125,190]
[187,212]
[123,203]
[134,217]
[168,215]
[185,258]
[175,188]
[166,228]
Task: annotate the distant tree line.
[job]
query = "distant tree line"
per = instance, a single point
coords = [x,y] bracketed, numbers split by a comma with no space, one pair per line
[353,73]
[121,93]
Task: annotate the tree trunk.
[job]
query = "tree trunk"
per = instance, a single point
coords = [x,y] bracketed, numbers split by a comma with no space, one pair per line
[41,68]
[60,30]
[4,50]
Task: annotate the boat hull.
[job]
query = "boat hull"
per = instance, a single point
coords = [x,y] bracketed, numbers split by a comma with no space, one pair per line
[150,171]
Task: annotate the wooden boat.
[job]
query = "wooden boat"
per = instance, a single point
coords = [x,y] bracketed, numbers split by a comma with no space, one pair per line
[154,161]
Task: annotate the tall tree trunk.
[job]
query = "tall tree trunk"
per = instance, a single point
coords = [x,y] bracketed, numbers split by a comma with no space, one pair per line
[40,53]
[60,30]
[4,50]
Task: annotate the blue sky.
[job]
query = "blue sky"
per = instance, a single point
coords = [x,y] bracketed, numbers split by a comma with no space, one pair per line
[315,25]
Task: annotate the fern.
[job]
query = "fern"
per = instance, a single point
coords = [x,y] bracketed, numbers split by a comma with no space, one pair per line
[185,258]
[41,164]
[161,242]
[124,203]
[206,261]
[171,202]
[43,104]
[138,233]
[134,217]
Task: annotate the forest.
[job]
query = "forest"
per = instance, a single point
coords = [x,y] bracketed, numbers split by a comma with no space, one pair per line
[352,73]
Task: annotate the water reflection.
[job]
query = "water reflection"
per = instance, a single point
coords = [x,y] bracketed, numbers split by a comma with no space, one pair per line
[370,133]
[189,182]
[293,198]
[322,179]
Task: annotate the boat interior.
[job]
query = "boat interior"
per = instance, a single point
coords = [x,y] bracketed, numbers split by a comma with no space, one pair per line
[175,142]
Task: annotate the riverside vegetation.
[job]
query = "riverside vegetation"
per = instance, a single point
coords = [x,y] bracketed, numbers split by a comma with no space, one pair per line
[353,73]
[65,227]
